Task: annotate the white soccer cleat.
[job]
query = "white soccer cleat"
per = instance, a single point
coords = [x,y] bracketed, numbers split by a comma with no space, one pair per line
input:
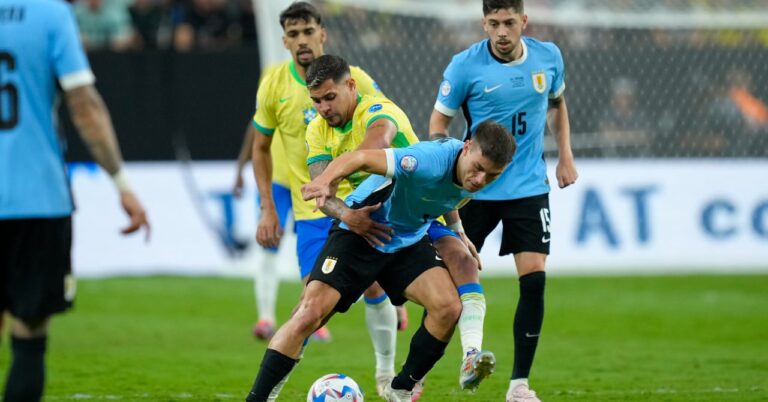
[476,367]
[382,380]
[522,393]
[396,395]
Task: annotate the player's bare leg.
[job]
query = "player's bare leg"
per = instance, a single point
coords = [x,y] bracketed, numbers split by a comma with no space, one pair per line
[322,334]
[26,375]
[528,321]
[434,290]
[476,364]
[381,321]
[284,350]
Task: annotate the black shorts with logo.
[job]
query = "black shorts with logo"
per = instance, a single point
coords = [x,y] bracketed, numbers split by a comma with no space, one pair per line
[36,267]
[350,265]
[525,223]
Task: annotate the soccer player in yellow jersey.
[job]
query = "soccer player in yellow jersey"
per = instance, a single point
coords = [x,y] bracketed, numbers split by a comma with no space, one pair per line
[350,121]
[284,107]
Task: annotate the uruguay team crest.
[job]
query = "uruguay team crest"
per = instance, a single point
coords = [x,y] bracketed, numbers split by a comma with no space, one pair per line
[539,81]
[328,265]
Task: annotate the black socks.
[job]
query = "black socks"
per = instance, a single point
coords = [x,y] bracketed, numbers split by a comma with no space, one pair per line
[425,351]
[274,367]
[26,376]
[528,320]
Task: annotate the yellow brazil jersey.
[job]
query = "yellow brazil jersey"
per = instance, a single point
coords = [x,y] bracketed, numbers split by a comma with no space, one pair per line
[284,106]
[279,162]
[326,143]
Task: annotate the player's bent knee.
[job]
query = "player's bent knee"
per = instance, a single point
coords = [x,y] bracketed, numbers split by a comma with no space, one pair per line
[466,269]
[446,311]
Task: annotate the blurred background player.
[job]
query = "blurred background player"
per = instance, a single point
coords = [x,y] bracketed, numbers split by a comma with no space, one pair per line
[266,279]
[519,82]
[349,122]
[284,106]
[40,48]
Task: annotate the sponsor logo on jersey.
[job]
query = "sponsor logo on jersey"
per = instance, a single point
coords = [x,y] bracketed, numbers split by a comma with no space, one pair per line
[539,81]
[445,88]
[409,163]
[375,108]
[329,264]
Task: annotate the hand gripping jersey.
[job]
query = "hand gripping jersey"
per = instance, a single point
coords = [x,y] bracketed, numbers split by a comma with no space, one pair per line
[514,94]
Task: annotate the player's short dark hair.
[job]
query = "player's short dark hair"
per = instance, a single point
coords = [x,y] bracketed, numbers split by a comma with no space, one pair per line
[326,67]
[490,6]
[494,142]
[300,10]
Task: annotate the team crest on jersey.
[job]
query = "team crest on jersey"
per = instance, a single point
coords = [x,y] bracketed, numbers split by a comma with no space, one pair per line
[309,114]
[445,88]
[539,81]
[375,108]
[329,264]
[409,163]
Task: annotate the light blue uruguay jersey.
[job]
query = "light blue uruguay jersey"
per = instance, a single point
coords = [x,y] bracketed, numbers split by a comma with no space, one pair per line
[515,94]
[39,44]
[418,188]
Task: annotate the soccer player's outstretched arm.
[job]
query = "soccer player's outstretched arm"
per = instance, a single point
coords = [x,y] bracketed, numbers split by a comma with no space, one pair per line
[324,186]
[358,220]
[557,121]
[91,117]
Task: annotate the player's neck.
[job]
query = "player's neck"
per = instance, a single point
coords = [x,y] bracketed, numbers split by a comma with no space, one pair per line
[516,54]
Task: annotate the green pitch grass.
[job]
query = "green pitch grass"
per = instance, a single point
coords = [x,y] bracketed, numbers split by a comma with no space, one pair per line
[690,338]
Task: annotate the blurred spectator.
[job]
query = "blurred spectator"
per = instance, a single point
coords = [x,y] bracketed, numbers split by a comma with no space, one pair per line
[205,24]
[147,17]
[624,127]
[104,24]
[752,112]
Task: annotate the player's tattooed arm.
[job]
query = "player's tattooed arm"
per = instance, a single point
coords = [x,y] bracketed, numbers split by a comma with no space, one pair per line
[334,207]
[358,220]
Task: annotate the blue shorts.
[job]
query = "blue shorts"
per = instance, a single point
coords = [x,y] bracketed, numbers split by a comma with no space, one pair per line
[437,230]
[282,197]
[310,238]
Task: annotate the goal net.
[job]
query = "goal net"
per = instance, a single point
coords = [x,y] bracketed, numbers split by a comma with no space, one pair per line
[654,78]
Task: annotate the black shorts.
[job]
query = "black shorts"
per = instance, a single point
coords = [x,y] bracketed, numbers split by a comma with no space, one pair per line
[350,265]
[525,223]
[36,267]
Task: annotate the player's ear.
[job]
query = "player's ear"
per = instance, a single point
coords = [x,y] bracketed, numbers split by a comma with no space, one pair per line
[525,21]
[285,42]
[323,35]
[351,84]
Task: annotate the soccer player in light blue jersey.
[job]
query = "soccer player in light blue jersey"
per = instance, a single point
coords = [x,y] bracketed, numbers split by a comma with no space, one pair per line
[40,47]
[411,187]
[517,81]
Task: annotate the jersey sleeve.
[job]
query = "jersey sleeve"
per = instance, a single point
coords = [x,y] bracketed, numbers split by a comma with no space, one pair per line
[316,147]
[365,84]
[453,89]
[264,120]
[422,162]
[558,84]
[383,110]
[66,52]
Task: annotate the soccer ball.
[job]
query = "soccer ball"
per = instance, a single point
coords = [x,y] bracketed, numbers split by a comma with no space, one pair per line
[335,388]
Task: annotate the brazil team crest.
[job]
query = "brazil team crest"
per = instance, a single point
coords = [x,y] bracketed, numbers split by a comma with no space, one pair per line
[328,265]
[539,81]
[309,114]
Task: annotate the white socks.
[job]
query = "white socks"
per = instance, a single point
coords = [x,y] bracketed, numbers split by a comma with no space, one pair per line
[472,316]
[266,281]
[381,320]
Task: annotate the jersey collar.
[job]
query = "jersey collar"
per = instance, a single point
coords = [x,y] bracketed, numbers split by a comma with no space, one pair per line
[295,74]
[512,63]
